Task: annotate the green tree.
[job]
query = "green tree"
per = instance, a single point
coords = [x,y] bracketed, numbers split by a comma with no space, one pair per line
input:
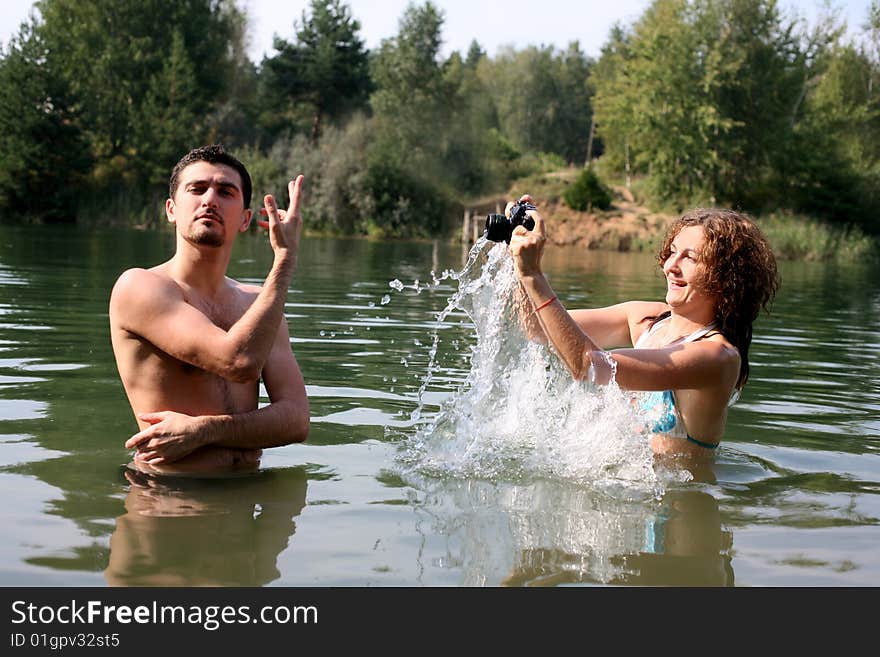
[612,102]
[410,93]
[762,69]
[170,121]
[45,155]
[113,54]
[326,68]
[234,119]
[543,99]
[468,147]
[707,98]
[407,176]
[475,55]
[659,90]
[838,142]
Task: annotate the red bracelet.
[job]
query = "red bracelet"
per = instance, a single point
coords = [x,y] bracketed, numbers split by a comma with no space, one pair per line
[546,303]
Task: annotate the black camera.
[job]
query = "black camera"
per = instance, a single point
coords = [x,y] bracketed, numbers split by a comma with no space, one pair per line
[500,228]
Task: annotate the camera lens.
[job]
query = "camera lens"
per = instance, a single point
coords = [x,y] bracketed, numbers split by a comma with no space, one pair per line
[498,228]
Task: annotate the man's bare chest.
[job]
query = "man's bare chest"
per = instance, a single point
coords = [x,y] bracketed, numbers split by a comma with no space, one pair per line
[224,312]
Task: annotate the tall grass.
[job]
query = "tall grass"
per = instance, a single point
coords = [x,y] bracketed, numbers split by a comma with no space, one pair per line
[798,237]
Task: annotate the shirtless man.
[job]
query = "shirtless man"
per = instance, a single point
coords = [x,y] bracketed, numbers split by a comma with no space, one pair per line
[191,345]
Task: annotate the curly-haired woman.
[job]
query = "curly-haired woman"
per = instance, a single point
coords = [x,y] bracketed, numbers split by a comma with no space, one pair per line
[690,355]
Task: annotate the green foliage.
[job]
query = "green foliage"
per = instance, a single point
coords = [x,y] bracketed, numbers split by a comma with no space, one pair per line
[335,170]
[654,99]
[411,93]
[44,152]
[542,99]
[727,102]
[700,102]
[98,100]
[112,51]
[401,203]
[351,187]
[837,143]
[233,116]
[417,159]
[169,111]
[587,192]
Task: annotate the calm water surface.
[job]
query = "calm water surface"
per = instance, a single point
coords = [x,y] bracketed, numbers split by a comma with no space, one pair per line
[792,498]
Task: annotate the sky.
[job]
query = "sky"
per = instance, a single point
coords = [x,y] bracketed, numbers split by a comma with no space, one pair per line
[493,23]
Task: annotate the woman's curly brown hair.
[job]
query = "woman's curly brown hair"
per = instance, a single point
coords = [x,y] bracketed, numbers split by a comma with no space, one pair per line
[740,272]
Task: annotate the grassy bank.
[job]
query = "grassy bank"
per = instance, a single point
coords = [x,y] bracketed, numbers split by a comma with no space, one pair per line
[797,237]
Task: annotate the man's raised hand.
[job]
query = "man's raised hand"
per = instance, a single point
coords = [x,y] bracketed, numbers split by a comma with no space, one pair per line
[284,226]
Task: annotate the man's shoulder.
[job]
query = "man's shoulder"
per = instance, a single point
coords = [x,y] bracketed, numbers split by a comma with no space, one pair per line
[137,279]
[137,285]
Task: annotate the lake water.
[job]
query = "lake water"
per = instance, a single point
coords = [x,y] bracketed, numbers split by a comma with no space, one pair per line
[512,483]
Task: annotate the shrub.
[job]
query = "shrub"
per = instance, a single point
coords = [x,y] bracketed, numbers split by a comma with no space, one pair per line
[587,192]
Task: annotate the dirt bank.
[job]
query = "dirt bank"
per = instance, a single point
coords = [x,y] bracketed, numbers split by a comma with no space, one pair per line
[627,226]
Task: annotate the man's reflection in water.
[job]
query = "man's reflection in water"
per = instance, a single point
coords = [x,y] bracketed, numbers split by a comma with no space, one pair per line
[684,545]
[229,531]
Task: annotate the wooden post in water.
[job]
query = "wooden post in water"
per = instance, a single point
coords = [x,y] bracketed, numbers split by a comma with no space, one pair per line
[466,226]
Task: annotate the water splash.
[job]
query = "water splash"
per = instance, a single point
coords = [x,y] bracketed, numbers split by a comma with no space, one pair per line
[519,414]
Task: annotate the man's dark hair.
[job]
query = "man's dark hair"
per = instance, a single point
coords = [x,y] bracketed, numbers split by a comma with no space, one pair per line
[214,154]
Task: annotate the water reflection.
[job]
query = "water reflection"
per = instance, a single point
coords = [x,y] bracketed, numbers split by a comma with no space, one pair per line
[546,534]
[685,545]
[180,531]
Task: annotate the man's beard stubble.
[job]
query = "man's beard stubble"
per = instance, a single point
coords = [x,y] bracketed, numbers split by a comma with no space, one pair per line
[205,237]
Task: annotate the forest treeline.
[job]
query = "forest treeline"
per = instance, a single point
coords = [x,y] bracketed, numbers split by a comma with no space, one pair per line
[723,102]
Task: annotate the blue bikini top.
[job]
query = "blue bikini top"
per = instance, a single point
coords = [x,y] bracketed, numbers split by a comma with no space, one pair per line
[659,405]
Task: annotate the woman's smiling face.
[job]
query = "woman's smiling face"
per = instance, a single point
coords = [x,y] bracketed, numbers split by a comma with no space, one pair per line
[684,270]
